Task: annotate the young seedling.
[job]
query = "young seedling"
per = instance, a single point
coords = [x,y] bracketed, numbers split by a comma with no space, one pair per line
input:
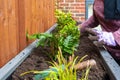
[64,69]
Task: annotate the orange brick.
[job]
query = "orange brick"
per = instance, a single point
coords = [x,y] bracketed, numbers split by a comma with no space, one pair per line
[77,7]
[74,11]
[82,10]
[79,14]
[83,4]
[76,18]
[60,7]
[82,19]
[63,4]
[69,7]
[73,15]
[69,0]
[60,0]
[80,0]
[76,4]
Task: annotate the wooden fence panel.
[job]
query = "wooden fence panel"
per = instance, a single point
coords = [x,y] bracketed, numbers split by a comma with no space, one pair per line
[8,31]
[17,17]
[21,24]
[4,30]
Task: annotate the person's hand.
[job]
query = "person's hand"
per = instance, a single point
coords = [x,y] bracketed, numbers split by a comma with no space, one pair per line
[101,37]
[81,29]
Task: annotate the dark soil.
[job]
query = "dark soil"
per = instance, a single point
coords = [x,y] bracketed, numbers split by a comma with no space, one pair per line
[37,61]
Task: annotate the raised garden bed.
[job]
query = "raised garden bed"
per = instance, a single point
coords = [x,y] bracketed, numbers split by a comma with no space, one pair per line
[105,69]
[37,61]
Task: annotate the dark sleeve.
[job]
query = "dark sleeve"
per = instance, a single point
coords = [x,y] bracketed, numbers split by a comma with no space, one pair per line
[91,22]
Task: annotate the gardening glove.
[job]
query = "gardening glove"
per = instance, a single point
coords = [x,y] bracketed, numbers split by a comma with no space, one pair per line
[101,37]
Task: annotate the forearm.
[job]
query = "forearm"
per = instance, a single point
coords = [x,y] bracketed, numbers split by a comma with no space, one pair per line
[90,23]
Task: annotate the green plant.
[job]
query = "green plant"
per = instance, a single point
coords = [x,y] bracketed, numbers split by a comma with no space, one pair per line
[68,32]
[66,35]
[46,39]
[61,70]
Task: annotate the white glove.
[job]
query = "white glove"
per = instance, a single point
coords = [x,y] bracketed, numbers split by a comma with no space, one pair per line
[106,37]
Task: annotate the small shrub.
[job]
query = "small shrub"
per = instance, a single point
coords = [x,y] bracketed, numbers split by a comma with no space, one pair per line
[66,36]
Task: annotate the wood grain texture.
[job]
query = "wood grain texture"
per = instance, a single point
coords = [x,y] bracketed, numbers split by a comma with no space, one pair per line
[17,17]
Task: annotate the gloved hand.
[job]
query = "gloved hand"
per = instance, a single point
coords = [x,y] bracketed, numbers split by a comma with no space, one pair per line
[101,37]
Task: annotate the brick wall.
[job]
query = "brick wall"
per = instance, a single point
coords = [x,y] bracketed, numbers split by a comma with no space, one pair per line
[76,7]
